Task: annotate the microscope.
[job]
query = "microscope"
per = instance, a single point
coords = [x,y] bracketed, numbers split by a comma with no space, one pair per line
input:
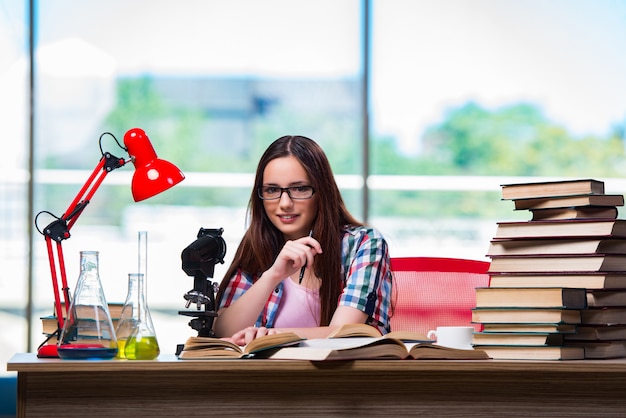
[198,261]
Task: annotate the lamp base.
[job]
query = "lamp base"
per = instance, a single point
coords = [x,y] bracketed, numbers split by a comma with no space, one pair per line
[76,351]
[48,351]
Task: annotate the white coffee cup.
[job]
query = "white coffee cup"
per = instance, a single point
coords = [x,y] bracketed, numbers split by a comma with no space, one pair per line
[453,337]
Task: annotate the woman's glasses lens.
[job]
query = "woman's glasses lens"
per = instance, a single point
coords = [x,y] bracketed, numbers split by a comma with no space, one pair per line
[295,192]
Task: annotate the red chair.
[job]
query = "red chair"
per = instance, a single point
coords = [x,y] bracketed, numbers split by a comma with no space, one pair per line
[433,291]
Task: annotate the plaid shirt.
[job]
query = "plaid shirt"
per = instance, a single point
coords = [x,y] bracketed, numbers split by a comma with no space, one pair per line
[367,279]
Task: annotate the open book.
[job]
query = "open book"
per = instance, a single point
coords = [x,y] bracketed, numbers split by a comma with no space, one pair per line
[364,330]
[200,348]
[363,342]
[369,348]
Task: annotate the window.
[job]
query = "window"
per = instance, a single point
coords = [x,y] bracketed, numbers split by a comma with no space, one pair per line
[463,97]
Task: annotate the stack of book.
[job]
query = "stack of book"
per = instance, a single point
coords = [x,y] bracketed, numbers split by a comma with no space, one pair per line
[558,281]
[49,323]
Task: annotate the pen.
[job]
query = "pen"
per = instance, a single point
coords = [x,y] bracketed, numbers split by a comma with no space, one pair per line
[304,266]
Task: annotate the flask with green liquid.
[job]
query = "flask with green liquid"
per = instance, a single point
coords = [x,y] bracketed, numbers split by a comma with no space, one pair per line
[135,333]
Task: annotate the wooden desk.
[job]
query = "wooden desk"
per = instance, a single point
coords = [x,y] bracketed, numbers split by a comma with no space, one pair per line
[168,387]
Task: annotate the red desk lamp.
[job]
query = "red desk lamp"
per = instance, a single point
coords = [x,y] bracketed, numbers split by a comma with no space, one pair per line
[152,176]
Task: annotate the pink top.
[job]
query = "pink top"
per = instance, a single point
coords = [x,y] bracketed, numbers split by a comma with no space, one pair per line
[300,307]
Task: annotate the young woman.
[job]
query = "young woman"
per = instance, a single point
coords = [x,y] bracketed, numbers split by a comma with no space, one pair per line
[304,264]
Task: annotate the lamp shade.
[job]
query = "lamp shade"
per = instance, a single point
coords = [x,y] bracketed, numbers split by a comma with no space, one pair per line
[152,174]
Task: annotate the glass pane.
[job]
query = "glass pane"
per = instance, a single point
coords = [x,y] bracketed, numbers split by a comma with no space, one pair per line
[212,83]
[481,91]
[13,179]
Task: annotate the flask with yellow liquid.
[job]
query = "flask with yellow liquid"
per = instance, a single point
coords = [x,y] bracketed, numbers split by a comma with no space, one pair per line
[136,336]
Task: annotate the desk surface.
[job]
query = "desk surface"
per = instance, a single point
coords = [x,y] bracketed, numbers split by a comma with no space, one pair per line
[28,362]
[170,387]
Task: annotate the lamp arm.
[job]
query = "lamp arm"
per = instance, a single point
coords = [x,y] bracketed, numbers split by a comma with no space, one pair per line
[60,313]
[59,230]
[107,163]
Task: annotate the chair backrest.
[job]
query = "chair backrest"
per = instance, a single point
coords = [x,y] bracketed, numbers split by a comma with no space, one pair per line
[434,291]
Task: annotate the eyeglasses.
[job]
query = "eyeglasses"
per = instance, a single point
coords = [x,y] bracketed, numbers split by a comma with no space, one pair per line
[294,192]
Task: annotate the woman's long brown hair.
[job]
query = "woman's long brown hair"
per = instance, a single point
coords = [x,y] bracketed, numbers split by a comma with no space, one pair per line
[263,241]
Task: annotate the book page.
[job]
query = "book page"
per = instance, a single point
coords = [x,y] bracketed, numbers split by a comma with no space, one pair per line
[208,347]
[267,342]
[209,353]
[437,352]
[339,343]
[355,330]
[198,343]
[409,336]
[356,348]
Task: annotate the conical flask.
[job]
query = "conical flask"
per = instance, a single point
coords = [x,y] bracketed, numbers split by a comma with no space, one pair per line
[88,331]
[142,343]
[129,318]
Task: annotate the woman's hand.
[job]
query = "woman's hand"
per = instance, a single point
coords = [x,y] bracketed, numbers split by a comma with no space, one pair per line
[294,255]
[246,335]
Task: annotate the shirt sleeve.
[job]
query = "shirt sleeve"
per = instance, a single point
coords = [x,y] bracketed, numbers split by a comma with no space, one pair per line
[368,279]
[237,286]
